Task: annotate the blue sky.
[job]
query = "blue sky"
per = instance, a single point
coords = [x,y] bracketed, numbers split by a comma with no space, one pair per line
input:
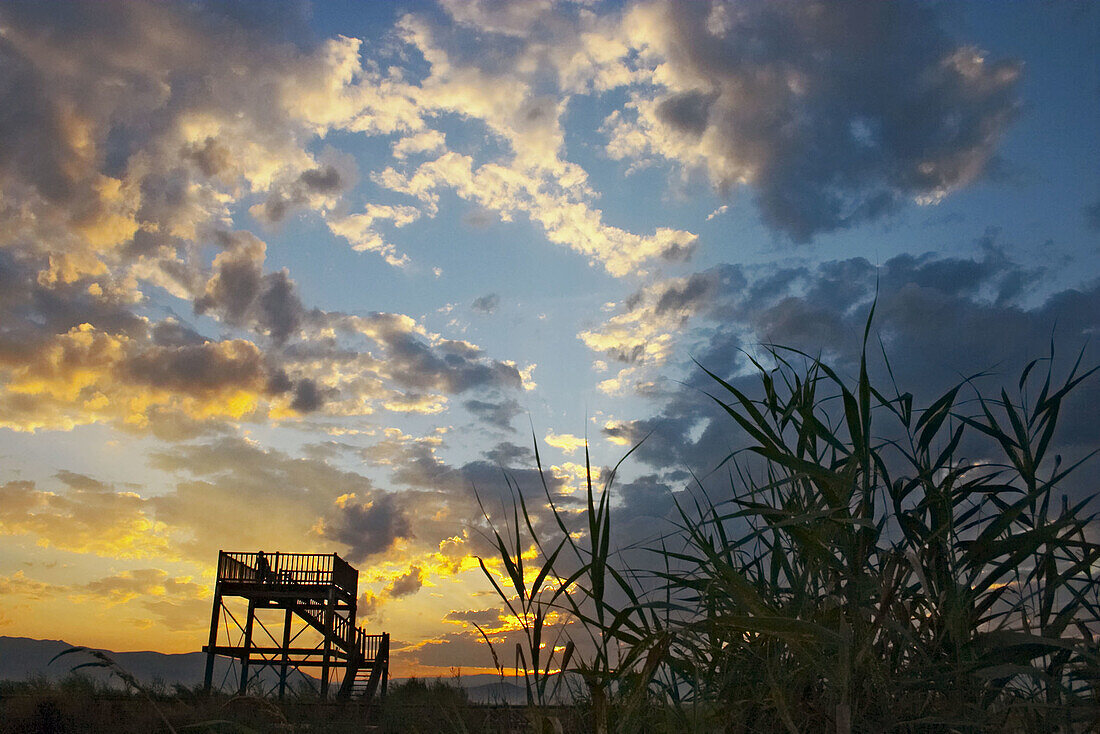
[338,260]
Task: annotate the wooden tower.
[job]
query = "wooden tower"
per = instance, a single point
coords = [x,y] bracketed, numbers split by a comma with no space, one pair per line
[315,592]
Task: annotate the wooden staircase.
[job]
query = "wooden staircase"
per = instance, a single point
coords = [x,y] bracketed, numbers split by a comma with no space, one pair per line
[367,655]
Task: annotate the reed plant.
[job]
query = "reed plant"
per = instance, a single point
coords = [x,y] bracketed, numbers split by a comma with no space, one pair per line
[872,566]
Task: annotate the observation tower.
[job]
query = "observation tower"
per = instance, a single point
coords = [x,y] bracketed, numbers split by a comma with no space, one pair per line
[293,612]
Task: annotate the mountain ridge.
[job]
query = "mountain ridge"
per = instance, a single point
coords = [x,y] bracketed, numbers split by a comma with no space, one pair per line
[27,658]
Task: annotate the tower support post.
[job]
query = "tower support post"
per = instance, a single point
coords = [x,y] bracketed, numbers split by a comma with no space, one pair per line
[286,657]
[329,615]
[215,616]
[247,651]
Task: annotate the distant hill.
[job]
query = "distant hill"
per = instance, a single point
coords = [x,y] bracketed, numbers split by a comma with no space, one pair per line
[496,692]
[23,658]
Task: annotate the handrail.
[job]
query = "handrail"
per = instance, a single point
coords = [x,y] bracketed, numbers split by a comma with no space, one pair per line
[370,646]
[288,568]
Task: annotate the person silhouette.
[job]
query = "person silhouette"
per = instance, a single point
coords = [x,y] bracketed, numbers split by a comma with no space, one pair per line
[263,569]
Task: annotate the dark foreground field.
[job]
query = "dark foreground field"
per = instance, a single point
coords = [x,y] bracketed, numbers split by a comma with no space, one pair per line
[78,705]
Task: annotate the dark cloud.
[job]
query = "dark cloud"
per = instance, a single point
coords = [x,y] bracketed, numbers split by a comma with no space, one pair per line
[646,511]
[279,306]
[468,647]
[81,482]
[481,617]
[698,288]
[171,425]
[241,294]
[322,180]
[38,148]
[211,157]
[940,319]
[307,397]
[326,450]
[688,112]
[32,308]
[406,584]
[498,414]
[234,286]
[448,366]
[486,304]
[172,333]
[507,453]
[371,528]
[835,112]
[200,368]
[441,496]
[278,382]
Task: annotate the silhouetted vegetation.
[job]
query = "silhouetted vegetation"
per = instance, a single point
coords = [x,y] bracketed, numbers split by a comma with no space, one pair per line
[874,566]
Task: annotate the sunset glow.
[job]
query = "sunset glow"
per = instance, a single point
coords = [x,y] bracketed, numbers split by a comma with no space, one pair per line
[312,277]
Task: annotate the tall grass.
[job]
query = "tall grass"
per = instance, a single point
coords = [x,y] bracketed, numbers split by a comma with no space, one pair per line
[876,566]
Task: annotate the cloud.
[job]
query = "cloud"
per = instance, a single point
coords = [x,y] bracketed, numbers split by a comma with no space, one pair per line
[218,483]
[833,113]
[317,189]
[207,368]
[423,142]
[371,528]
[486,304]
[183,125]
[307,397]
[406,584]
[19,584]
[241,294]
[210,487]
[567,442]
[87,518]
[561,209]
[122,587]
[509,454]
[503,89]
[498,414]
[112,189]
[438,496]
[177,603]
[85,376]
[644,332]
[482,617]
[939,319]
[359,230]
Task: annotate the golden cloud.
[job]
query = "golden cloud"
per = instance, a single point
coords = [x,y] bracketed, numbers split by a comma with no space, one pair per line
[86,375]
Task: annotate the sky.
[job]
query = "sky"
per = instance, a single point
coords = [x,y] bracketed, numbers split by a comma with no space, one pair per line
[304,276]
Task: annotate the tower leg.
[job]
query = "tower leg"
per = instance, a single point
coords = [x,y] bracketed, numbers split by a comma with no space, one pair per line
[215,616]
[247,645]
[329,633]
[286,656]
[385,662]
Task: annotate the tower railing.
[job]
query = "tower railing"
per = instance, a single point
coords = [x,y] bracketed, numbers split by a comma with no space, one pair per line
[304,569]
